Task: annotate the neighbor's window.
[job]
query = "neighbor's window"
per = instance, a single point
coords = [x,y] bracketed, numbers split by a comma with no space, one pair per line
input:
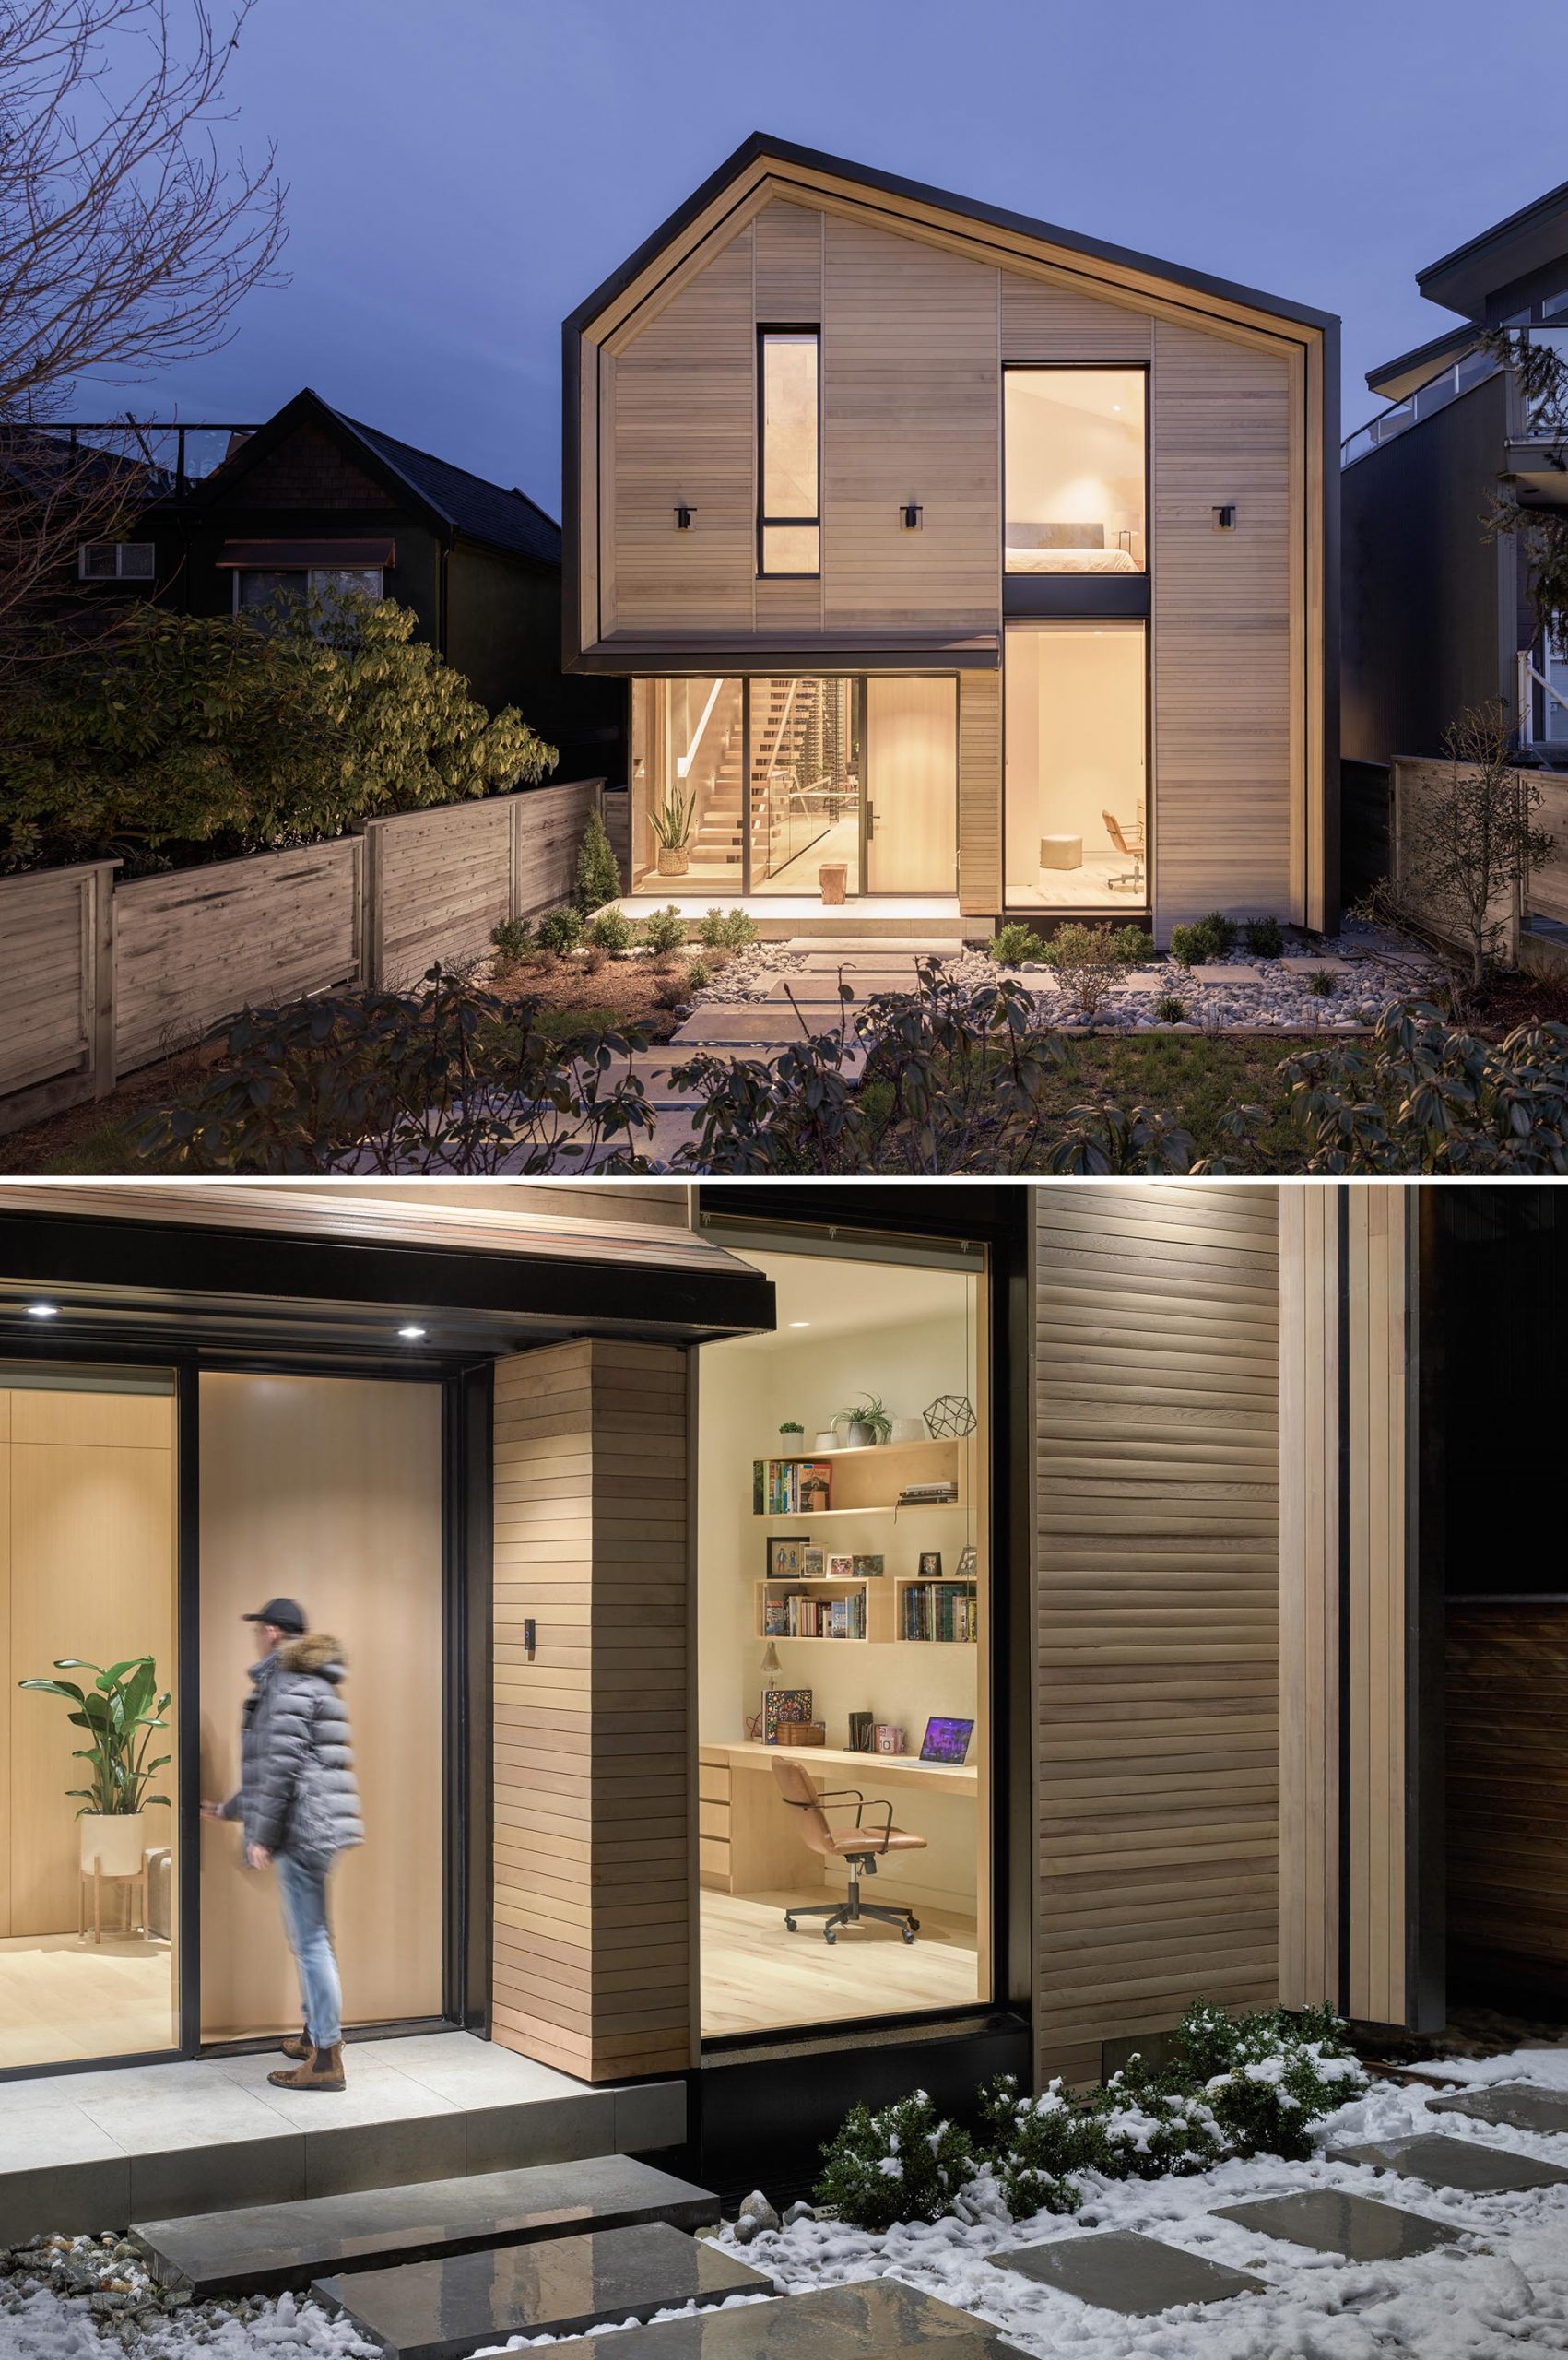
[789,520]
[1074,470]
[116,561]
[260,590]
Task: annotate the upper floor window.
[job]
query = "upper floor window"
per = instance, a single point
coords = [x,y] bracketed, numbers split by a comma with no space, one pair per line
[266,592]
[116,561]
[789,522]
[1074,458]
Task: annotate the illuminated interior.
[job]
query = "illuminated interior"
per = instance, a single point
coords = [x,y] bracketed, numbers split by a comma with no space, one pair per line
[1073,471]
[1074,699]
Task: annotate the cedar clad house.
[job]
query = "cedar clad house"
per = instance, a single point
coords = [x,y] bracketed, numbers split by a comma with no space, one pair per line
[965,566]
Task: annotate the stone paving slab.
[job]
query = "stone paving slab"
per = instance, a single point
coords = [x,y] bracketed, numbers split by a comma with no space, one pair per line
[1239,978]
[1120,2271]
[1453,2162]
[881,2317]
[264,2248]
[816,946]
[1145,979]
[742,1024]
[1331,963]
[441,2309]
[1521,2105]
[1332,2220]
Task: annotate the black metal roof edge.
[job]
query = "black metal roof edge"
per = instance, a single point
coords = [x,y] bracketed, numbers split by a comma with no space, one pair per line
[1463,333]
[1538,210]
[787,151]
[93,1250]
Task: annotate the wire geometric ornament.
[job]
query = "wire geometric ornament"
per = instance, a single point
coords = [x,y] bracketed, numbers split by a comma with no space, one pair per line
[951,1413]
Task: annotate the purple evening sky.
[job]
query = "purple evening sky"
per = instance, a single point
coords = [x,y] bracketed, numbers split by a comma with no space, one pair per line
[464,171]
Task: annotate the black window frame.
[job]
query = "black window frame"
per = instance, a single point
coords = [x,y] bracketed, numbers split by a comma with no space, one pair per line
[765,523]
[1081,596]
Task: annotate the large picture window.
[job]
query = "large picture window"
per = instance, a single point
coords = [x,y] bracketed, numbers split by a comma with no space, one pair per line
[1074,456]
[1074,713]
[789,538]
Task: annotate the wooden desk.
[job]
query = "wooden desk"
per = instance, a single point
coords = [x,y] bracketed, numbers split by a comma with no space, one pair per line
[748,1841]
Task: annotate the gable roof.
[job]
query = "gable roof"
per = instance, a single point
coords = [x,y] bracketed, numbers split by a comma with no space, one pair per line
[761,147]
[455,499]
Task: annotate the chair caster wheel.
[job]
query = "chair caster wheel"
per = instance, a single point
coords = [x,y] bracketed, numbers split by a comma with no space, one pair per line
[790,1926]
[909,1933]
[914,1925]
[829,1935]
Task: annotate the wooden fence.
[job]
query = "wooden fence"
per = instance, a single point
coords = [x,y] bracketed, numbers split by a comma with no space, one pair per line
[1546,889]
[98,978]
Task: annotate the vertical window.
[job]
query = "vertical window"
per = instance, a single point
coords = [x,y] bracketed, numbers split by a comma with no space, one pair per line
[1074,470]
[789,514]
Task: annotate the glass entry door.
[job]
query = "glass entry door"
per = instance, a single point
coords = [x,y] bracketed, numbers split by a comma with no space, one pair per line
[912,786]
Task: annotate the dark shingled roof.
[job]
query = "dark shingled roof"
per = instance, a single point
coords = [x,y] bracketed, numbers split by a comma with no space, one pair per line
[485,511]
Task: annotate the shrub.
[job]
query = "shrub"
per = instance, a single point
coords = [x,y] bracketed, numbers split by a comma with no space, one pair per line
[1268,2077]
[1132,946]
[1265,938]
[598,878]
[451,1080]
[1101,1141]
[1322,985]
[1036,2144]
[698,974]
[671,990]
[611,929]
[1088,958]
[901,2164]
[1220,933]
[664,931]
[514,940]
[560,930]
[1422,1096]
[1170,1009]
[727,930]
[1014,943]
[1149,2131]
[1189,944]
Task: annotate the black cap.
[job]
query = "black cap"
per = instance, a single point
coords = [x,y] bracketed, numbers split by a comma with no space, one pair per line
[284,1614]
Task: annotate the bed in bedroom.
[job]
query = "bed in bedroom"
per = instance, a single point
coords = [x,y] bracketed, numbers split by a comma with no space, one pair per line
[1064,548]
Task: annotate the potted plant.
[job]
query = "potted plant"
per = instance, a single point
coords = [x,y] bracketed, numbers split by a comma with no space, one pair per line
[867,1424]
[671,822]
[787,1432]
[119,1714]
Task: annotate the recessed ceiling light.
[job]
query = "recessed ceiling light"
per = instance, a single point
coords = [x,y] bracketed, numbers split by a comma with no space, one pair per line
[42,1311]
[411,1335]
[800,1323]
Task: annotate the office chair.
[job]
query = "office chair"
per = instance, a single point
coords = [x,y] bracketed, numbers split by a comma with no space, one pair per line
[860,1848]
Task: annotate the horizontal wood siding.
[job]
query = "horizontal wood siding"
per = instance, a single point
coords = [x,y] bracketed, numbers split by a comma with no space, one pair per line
[788,265]
[1222,644]
[436,883]
[684,411]
[1040,323]
[198,946]
[980,792]
[1157,1515]
[1507,1714]
[56,978]
[910,402]
[594,1873]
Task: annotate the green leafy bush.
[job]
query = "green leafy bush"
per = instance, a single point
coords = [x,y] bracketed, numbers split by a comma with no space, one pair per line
[1212,938]
[901,2164]
[1036,2144]
[560,930]
[514,940]
[1012,944]
[1148,2130]
[1420,1095]
[611,929]
[1089,960]
[1133,945]
[598,878]
[1265,938]
[1322,985]
[1170,1009]
[1267,2078]
[664,931]
[1220,933]
[698,976]
[727,930]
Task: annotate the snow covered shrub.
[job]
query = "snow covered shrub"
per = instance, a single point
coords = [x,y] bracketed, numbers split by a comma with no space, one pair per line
[1036,2144]
[1147,2129]
[1267,2077]
[901,2164]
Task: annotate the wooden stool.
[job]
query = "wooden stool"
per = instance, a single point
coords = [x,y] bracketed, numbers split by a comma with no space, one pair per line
[831,877]
[136,1881]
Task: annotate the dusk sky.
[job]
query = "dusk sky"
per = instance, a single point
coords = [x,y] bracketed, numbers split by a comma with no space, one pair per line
[462,173]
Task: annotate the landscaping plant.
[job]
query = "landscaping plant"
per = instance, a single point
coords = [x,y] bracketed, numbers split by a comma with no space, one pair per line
[1210,939]
[1420,1095]
[513,940]
[1267,2078]
[1320,986]
[726,930]
[118,1713]
[664,931]
[904,2163]
[1014,944]
[598,878]
[1265,938]
[561,930]
[1170,1009]
[611,929]
[1090,960]
[1467,839]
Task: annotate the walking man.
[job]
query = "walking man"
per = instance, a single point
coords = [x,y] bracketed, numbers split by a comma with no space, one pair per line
[299,1808]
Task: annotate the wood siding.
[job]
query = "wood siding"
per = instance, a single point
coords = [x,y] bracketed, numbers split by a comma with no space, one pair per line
[1346,1281]
[1155,1385]
[1507,1706]
[1223,637]
[594,1871]
[980,792]
[1040,323]
[56,955]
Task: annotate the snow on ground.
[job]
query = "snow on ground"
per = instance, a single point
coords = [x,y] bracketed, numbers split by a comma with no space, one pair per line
[48,2326]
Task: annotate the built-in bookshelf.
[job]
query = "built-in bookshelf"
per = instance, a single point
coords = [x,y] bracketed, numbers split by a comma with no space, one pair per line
[861,1483]
[933,1610]
[822,1598]
[787,1602]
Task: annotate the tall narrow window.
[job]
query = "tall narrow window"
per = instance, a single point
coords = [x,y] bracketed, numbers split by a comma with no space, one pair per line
[789,514]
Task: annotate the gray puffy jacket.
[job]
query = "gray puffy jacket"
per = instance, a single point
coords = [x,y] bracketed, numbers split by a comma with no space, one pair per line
[297,1792]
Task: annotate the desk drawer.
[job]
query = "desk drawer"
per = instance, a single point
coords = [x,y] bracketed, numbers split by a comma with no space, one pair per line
[712,1819]
[712,1862]
[712,1785]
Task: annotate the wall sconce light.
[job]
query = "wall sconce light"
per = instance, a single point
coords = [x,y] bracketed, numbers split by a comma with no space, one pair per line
[684,513]
[530,1635]
[910,515]
[1225,517]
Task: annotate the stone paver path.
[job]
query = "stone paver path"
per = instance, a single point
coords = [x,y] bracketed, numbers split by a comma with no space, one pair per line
[1518,2106]
[1120,2271]
[1332,2220]
[1453,2162]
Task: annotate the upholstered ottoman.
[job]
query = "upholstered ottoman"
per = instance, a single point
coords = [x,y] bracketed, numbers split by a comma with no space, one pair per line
[1061,852]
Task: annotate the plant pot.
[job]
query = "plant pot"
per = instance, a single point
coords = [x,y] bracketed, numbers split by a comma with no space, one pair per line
[674,860]
[859,1437]
[909,1429]
[114,1841]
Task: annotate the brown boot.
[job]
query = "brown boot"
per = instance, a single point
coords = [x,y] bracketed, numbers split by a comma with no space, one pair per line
[298,2045]
[323,2069]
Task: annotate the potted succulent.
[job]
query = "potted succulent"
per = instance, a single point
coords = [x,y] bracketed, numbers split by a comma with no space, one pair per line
[867,1424]
[119,1712]
[790,1428]
[671,822]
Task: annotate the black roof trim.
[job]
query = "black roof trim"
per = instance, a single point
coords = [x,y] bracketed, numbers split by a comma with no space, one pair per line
[1407,371]
[1548,214]
[787,151]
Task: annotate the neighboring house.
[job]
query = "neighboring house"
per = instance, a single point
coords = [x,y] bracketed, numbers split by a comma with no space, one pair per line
[314,499]
[1162,1659]
[991,565]
[1436,616]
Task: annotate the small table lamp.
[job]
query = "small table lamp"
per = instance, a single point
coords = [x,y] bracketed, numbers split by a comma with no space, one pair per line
[757,1722]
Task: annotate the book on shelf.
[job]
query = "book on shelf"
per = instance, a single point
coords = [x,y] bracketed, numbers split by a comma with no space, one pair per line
[791,1486]
[798,1615]
[946,1610]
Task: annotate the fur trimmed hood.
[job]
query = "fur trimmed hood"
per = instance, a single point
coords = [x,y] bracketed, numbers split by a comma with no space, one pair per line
[313,1652]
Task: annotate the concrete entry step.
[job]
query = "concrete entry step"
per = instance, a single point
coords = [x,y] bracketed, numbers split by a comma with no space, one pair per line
[1453,2162]
[266,2248]
[441,2309]
[878,2317]
[875,946]
[1119,2270]
[1518,2106]
[1332,2220]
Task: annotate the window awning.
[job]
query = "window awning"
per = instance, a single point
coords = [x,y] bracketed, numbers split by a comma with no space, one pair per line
[286,557]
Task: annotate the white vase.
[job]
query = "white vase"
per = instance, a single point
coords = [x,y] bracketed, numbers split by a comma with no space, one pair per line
[909,1429]
[114,1841]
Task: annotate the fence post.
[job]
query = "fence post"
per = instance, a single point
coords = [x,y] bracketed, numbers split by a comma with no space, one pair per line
[100,970]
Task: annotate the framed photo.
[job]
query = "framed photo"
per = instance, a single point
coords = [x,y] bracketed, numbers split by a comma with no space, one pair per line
[969,1563]
[784,1704]
[870,1569]
[840,1569]
[815,1477]
[812,1563]
[930,1564]
[785,1551]
[890,1738]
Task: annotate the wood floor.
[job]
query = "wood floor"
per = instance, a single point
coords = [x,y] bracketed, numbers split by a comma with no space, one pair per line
[757,1976]
[61,1997]
[1088,887]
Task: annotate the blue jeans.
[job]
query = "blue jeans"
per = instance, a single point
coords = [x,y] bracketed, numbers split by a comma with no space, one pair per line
[302,1891]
